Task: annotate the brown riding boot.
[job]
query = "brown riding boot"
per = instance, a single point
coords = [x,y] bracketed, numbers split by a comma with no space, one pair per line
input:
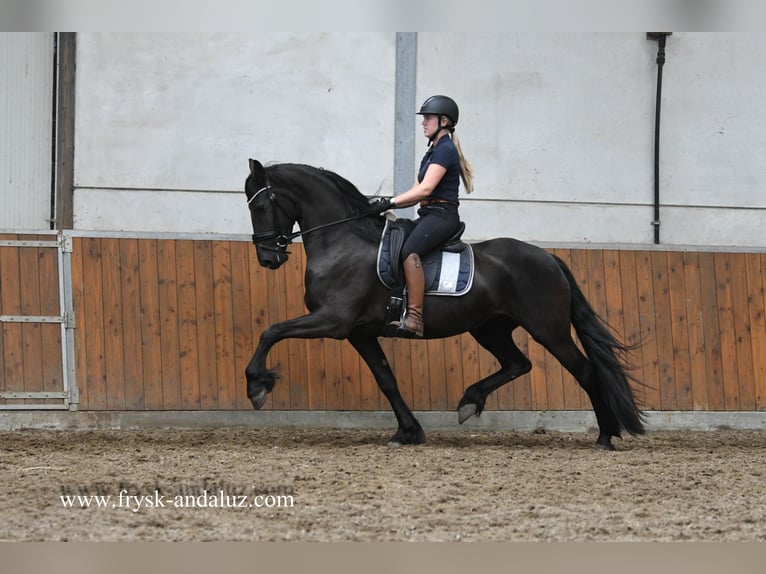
[415,279]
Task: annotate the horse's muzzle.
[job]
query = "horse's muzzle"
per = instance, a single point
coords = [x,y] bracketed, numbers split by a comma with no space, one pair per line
[271,258]
[271,264]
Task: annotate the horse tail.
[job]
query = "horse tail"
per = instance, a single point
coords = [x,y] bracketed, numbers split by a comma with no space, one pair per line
[608,357]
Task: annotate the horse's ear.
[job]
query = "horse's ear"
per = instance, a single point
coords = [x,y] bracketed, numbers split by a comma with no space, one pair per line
[257,170]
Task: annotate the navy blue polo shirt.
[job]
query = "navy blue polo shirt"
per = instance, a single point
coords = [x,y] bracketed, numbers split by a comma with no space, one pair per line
[444,154]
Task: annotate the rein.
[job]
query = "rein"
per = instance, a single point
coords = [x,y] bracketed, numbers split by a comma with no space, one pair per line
[283,240]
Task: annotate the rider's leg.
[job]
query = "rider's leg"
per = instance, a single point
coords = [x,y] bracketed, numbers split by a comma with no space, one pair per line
[434,226]
[413,275]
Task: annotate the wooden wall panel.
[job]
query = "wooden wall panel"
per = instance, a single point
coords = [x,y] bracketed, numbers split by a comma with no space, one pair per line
[31,336]
[685,336]
[743,378]
[188,348]
[151,339]
[698,373]
[114,330]
[205,324]
[12,339]
[711,332]
[756,288]
[172,324]
[50,334]
[130,290]
[574,397]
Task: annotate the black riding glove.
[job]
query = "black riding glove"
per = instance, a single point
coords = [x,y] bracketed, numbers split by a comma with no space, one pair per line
[379,205]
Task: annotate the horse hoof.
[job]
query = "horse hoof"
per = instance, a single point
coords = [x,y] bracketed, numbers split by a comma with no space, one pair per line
[259,398]
[466,412]
[604,446]
[412,436]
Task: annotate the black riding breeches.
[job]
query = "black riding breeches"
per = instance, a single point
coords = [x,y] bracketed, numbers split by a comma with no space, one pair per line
[435,224]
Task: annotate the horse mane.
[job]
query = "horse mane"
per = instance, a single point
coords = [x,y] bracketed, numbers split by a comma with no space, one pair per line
[352,198]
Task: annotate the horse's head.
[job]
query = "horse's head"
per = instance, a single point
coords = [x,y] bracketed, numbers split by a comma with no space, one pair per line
[271,225]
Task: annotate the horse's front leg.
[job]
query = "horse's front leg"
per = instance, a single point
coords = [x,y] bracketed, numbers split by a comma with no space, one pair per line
[260,379]
[409,431]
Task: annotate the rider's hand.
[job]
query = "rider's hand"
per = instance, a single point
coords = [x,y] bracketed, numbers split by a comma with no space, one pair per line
[381,204]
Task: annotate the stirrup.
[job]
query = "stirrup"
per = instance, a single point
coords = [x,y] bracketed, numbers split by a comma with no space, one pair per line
[394,310]
[411,333]
[405,333]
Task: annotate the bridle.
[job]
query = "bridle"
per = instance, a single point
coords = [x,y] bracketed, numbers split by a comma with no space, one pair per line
[282,240]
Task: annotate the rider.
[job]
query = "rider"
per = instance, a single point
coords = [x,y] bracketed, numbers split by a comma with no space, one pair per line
[436,190]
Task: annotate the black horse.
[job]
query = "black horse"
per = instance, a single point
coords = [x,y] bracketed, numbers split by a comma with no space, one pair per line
[515,284]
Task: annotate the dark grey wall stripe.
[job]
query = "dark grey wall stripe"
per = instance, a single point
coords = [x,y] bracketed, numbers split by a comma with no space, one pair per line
[404,109]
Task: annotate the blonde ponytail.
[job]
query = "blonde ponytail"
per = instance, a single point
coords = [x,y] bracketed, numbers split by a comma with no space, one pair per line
[466,171]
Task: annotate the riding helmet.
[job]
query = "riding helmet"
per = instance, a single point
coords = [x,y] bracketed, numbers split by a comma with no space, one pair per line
[442,106]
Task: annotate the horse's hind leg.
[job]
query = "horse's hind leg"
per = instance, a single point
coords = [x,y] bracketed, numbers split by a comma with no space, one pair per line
[497,338]
[570,356]
[409,431]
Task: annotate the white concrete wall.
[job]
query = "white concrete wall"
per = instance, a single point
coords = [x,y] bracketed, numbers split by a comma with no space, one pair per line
[559,128]
[560,131]
[165,123]
[714,140]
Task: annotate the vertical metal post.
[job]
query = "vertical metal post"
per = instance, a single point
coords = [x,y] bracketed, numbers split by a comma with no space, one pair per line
[67,327]
[661,37]
[404,111]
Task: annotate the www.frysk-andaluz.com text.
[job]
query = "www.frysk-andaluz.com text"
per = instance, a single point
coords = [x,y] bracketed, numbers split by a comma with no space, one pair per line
[209,494]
